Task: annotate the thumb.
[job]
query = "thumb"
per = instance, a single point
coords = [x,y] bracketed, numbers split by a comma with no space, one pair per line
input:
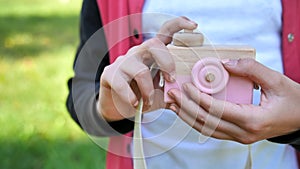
[255,71]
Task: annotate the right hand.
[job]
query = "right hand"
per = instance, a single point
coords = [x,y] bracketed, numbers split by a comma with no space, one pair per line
[128,79]
[277,114]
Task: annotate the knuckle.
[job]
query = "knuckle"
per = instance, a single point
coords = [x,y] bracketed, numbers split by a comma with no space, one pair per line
[249,67]
[164,30]
[119,87]
[277,80]
[254,128]
[106,73]
[181,19]
[248,61]
[118,60]
[107,69]
[152,42]
[136,51]
[248,64]
[257,128]
[249,139]
[168,26]
[182,22]
[141,74]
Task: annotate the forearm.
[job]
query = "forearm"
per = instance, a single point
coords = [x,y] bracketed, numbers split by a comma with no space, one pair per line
[85,90]
[84,86]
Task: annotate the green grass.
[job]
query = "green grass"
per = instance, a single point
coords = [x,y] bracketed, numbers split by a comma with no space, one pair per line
[38,40]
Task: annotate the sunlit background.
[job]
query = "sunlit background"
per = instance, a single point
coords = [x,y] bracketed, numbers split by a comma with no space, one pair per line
[38,40]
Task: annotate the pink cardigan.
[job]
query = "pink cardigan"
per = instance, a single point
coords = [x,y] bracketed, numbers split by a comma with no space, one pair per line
[127,11]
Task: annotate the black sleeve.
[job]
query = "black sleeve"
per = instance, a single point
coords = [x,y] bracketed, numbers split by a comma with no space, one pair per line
[292,139]
[90,22]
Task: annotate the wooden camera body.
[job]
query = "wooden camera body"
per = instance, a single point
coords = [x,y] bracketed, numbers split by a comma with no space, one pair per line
[202,65]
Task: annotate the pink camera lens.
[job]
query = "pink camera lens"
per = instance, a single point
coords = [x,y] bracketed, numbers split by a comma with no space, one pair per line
[209,75]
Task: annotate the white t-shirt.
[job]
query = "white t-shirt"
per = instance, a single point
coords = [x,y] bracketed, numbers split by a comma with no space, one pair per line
[168,141]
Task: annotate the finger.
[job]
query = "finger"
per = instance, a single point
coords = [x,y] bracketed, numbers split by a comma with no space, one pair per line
[172,26]
[162,57]
[221,129]
[255,71]
[239,115]
[225,120]
[211,105]
[216,134]
[107,99]
[112,79]
[228,119]
[190,108]
[209,126]
[186,117]
[145,85]
[141,74]
[140,53]
[158,101]
[234,120]
[141,57]
[241,136]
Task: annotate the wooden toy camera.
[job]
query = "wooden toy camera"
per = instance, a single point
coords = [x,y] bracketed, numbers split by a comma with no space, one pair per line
[202,65]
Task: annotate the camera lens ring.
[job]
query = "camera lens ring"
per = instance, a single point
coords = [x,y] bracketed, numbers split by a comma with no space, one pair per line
[209,75]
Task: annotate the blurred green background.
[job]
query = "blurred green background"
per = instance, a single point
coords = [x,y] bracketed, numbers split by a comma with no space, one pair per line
[38,40]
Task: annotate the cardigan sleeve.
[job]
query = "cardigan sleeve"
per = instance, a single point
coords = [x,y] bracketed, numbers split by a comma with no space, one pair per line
[292,139]
[82,108]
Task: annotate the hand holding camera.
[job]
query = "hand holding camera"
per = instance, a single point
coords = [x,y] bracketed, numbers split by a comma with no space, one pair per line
[202,65]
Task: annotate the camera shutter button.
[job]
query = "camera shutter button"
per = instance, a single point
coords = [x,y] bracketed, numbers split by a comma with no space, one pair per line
[209,75]
[188,38]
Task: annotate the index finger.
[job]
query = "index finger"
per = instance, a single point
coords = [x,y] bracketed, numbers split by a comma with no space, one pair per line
[238,114]
[172,26]
[162,57]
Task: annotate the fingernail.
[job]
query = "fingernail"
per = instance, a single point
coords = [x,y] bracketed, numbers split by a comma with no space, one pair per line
[193,23]
[230,62]
[136,104]
[174,108]
[171,94]
[225,60]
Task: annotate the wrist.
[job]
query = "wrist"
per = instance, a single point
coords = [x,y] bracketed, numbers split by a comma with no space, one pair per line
[121,126]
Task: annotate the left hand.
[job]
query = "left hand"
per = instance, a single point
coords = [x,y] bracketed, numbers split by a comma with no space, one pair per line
[277,114]
[128,79]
